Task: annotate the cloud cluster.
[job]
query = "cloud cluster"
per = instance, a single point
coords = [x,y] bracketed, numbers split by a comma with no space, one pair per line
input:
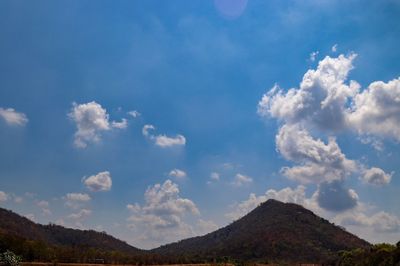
[163,141]
[13,117]
[99,182]
[323,105]
[161,218]
[91,119]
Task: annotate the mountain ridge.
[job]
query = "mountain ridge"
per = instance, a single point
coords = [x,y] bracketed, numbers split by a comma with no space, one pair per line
[273,231]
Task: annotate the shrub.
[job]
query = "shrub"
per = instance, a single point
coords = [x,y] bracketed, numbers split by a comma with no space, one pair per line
[8,258]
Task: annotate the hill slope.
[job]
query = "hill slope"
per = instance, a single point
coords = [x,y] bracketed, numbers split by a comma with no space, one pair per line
[274,231]
[14,224]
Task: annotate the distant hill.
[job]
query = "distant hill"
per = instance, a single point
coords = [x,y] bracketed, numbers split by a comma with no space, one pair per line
[274,231]
[19,226]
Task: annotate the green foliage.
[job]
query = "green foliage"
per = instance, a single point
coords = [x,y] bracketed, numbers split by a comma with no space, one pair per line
[377,255]
[8,258]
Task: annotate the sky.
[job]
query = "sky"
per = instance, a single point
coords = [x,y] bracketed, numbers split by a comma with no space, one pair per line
[160,120]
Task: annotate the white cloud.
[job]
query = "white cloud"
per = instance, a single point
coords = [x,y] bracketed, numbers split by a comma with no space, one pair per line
[76,200]
[80,215]
[376,176]
[241,180]
[215,176]
[99,182]
[13,117]
[161,218]
[121,125]
[314,55]
[163,140]
[318,161]
[381,222]
[44,206]
[134,113]
[178,174]
[321,99]
[3,196]
[90,119]
[376,110]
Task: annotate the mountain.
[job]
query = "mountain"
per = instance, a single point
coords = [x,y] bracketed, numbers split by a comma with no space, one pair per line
[16,225]
[274,231]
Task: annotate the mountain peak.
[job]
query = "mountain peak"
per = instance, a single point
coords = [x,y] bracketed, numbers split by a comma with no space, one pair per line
[273,231]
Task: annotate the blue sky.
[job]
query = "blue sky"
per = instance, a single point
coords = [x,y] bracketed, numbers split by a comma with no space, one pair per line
[196,72]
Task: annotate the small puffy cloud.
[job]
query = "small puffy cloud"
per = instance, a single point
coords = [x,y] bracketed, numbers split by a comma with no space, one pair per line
[313,56]
[161,218]
[241,180]
[134,114]
[177,173]
[90,119]
[3,196]
[76,200]
[334,196]
[121,125]
[376,176]
[13,117]
[376,110]
[99,182]
[214,176]
[163,141]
